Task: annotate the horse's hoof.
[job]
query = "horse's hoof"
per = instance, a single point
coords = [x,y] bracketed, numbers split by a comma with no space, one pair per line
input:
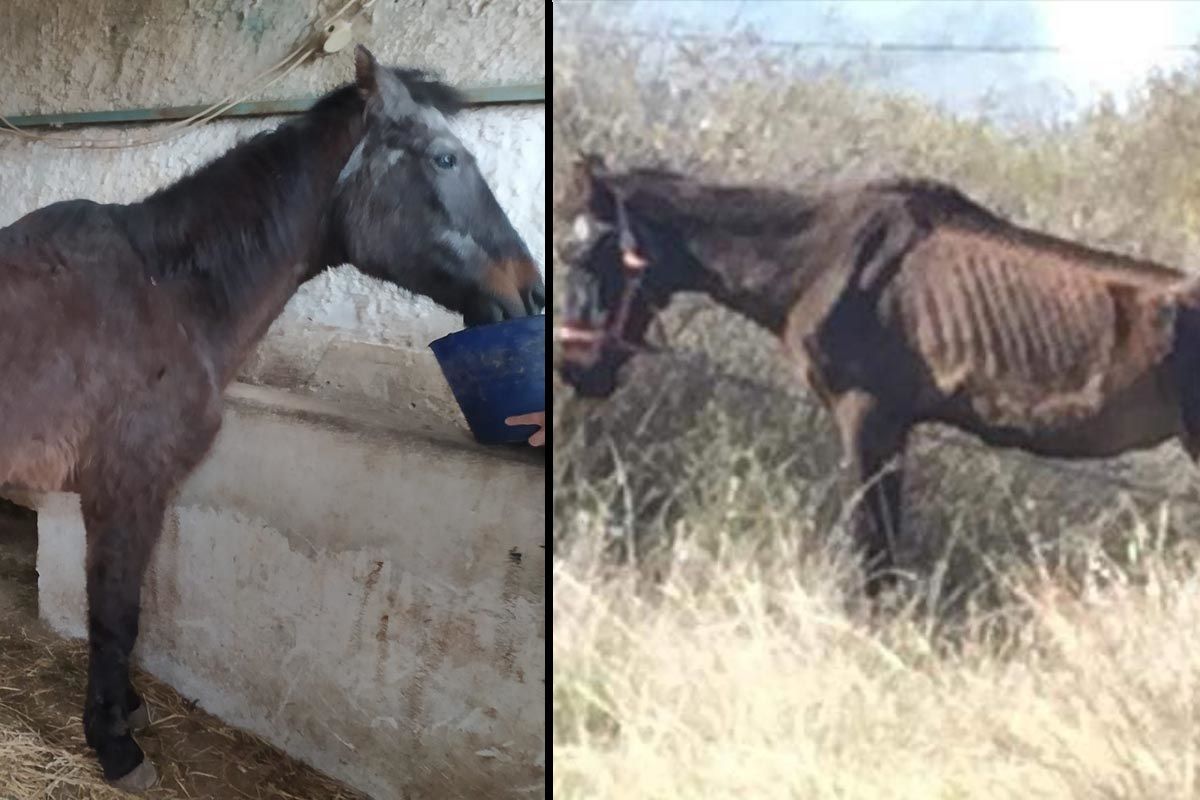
[140,778]
[139,718]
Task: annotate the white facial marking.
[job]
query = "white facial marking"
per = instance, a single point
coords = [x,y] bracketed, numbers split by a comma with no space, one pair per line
[465,247]
[435,119]
[353,164]
[582,228]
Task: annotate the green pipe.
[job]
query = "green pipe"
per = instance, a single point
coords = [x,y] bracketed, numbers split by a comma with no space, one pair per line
[492,95]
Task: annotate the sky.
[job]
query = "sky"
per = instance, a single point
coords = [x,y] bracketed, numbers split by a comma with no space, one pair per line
[1098,46]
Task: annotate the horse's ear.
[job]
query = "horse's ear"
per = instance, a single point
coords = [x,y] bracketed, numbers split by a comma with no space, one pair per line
[384,90]
[590,163]
[580,180]
[590,178]
[365,67]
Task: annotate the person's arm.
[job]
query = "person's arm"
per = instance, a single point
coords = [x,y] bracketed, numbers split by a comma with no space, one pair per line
[536,418]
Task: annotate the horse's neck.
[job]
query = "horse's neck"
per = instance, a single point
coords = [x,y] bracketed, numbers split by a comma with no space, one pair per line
[238,266]
[758,277]
[750,241]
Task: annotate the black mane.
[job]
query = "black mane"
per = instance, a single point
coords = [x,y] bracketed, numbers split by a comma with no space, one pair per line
[427,90]
[234,218]
[689,205]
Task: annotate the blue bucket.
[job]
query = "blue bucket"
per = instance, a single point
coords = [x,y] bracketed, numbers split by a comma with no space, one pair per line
[497,371]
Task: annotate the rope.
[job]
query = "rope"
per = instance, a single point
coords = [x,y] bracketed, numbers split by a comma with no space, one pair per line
[283,68]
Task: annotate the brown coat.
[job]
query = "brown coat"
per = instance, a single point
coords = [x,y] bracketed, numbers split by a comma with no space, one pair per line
[903,301]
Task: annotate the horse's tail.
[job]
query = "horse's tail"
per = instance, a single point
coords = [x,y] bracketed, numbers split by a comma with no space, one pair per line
[1184,308]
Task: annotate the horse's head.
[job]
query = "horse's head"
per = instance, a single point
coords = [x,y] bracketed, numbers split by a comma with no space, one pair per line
[624,269]
[411,206]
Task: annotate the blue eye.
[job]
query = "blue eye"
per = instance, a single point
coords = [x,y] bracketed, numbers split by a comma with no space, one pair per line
[445,161]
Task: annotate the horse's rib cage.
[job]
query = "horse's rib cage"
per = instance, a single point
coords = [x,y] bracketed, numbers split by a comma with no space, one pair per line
[1012,321]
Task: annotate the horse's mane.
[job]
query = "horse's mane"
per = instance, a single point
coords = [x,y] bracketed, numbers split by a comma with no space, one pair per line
[688,204]
[427,90]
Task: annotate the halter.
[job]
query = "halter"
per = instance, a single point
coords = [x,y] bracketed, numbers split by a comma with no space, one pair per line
[587,342]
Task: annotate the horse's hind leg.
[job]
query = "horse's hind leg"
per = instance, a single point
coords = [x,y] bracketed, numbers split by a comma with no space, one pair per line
[873,442]
[121,532]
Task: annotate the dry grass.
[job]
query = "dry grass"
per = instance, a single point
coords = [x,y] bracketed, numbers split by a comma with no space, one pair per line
[1041,647]
[35,769]
[43,755]
[1033,655]
[740,675]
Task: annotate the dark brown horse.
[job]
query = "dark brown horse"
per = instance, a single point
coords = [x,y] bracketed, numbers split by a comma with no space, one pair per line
[120,326]
[900,302]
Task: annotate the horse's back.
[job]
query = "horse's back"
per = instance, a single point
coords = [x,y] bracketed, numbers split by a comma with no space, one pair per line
[72,235]
[60,267]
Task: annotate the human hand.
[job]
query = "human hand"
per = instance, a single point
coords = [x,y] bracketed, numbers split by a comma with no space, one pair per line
[536,418]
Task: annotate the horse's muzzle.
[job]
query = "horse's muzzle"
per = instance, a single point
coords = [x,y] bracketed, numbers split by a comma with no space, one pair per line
[596,382]
[587,365]
[534,297]
[511,290]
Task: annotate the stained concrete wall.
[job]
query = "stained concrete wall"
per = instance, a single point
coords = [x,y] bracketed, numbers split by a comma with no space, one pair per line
[366,591]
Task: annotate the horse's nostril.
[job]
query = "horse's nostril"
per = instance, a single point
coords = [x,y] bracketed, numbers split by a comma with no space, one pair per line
[534,299]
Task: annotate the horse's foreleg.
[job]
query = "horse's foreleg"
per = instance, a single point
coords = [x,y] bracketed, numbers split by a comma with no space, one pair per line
[121,534]
[139,712]
[873,444]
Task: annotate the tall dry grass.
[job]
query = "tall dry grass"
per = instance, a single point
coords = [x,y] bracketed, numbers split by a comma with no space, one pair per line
[742,674]
[709,640]
[1033,656]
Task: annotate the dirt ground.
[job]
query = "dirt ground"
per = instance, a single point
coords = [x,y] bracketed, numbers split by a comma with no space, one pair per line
[42,679]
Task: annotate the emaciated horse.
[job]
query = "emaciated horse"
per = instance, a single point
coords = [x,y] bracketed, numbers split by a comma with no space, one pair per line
[120,325]
[900,302]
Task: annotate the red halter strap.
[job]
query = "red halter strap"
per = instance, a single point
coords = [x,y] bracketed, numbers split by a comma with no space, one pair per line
[592,340]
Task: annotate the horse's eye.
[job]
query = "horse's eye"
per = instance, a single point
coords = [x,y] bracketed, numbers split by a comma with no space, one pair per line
[445,161]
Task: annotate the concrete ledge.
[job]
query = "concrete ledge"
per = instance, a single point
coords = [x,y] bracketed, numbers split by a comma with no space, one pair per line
[323,362]
[363,589]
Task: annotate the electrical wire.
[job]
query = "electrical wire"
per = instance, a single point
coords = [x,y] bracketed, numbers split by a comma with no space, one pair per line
[754,40]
